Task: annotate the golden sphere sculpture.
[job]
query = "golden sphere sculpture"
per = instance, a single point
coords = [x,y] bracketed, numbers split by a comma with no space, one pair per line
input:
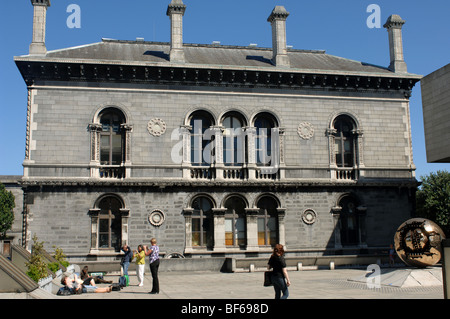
[418,242]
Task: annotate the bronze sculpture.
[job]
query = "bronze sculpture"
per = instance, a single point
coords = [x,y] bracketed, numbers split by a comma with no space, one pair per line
[418,242]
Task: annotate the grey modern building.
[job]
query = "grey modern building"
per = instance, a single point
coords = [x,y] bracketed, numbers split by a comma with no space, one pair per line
[436,114]
[214,150]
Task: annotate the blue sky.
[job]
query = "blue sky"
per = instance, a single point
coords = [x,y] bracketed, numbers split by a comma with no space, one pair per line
[339,27]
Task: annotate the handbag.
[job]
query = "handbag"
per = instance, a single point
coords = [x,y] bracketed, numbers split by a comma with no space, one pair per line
[267,278]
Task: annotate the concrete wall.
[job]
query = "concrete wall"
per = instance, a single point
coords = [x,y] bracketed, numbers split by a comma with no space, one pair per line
[436,114]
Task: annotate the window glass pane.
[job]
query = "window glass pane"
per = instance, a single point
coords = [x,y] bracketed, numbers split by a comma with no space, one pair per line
[348,160]
[103,225]
[228,232]
[116,150]
[272,228]
[228,225]
[233,146]
[347,146]
[103,241]
[261,231]
[196,232]
[115,241]
[196,239]
[104,149]
[195,224]
[338,151]
[240,231]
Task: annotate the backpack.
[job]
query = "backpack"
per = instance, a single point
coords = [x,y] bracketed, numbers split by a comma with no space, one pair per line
[64,291]
[115,287]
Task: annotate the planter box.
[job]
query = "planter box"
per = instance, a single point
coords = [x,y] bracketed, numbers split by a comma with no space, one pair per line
[46,283]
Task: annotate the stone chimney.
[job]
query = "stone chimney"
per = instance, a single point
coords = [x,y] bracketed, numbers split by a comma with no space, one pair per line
[394,26]
[176,11]
[37,46]
[279,46]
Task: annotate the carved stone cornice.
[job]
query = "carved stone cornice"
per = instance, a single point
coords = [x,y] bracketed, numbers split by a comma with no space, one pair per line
[34,72]
[95,127]
[247,184]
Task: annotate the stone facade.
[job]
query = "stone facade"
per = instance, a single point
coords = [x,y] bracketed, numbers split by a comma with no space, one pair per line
[436,114]
[113,145]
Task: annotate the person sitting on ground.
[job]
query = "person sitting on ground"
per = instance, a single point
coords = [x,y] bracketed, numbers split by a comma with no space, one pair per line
[89,280]
[76,286]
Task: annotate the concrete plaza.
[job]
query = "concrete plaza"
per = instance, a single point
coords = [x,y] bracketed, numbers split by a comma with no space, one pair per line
[306,284]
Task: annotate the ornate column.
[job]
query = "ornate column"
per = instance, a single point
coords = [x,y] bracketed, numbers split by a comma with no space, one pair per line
[281,134]
[219,229]
[95,129]
[187,213]
[125,216]
[218,151]
[359,152]
[281,226]
[252,228]
[185,131]
[127,129]
[330,133]
[250,132]
[93,213]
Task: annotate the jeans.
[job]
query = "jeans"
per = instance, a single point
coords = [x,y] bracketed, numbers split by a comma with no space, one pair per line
[125,266]
[280,286]
[154,270]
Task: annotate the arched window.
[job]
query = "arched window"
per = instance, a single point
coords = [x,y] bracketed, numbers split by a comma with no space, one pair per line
[200,121]
[109,223]
[344,146]
[235,222]
[267,221]
[233,139]
[264,123]
[202,222]
[112,142]
[349,221]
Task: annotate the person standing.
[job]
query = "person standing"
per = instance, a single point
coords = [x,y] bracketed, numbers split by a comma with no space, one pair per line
[127,258]
[280,278]
[153,252]
[140,264]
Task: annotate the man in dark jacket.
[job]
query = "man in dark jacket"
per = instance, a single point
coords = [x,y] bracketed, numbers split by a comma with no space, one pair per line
[127,258]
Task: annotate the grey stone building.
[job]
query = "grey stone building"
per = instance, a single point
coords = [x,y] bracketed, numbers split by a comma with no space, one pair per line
[214,150]
[436,114]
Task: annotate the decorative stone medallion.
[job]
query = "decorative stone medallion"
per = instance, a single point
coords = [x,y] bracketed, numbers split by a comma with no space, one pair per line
[305,130]
[156,127]
[309,217]
[156,217]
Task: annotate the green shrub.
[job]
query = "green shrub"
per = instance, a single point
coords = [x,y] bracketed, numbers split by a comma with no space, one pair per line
[60,256]
[37,267]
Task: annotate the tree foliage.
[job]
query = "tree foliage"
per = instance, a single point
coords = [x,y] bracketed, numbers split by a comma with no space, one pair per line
[7,205]
[37,267]
[433,199]
[60,256]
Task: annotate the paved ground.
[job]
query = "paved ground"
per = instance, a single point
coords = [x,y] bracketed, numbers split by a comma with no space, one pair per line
[306,284]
